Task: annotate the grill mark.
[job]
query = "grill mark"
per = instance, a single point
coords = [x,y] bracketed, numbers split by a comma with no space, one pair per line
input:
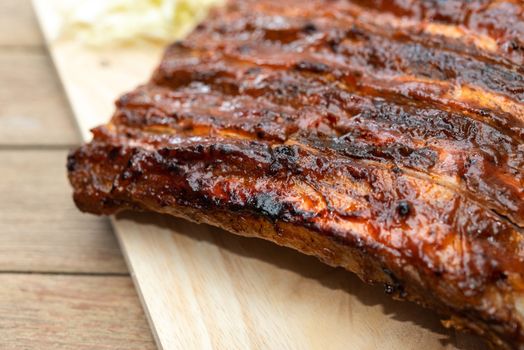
[482,199]
[429,35]
[274,96]
[389,58]
[343,108]
[505,39]
[196,147]
[514,109]
[471,98]
[450,29]
[422,92]
[338,111]
[504,49]
[246,114]
[399,155]
[365,51]
[455,13]
[472,177]
[251,156]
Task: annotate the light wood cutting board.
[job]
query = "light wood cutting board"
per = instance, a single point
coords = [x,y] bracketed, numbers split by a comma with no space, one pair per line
[205,288]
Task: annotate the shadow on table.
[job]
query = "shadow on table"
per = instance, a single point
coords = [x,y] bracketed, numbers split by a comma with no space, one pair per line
[311,268]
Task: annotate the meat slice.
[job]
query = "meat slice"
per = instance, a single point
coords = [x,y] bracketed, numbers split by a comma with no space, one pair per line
[384,138]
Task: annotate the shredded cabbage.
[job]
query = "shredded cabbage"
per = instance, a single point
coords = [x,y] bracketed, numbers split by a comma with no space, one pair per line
[103,22]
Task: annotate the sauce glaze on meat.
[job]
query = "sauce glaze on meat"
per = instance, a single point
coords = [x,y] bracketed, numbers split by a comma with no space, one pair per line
[386,137]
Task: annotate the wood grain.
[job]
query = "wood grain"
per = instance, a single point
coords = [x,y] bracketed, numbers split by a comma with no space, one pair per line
[104,72]
[41,230]
[71,312]
[217,290]
[33,109]
[18,26]
[203,288]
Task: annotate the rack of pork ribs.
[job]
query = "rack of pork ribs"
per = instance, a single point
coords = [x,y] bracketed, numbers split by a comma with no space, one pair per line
[377,136]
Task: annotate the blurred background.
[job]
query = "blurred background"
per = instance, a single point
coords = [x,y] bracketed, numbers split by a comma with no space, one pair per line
[63,281]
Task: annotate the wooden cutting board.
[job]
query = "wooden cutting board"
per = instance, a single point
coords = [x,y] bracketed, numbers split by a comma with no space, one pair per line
[204,288]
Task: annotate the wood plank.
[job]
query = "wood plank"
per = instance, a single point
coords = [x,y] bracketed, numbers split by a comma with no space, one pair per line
[219,291]
[18,25]
[104,72]
[71,312]
[41,230]
[202,288]
[33,108]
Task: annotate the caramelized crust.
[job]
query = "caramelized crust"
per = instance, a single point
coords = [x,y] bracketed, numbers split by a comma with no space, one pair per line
[382,136]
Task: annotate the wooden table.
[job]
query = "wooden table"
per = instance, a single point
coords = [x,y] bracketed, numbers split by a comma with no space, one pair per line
[63,282]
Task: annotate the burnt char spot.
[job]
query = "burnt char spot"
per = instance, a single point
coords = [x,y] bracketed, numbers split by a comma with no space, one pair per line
[174,167]
[356,33]
[221,149]
[268,205]
[389,289]
[423,158]
[395,287]
[132,170]
[334,44]
[401,154]
[515,45]
[500,276]
[284,156]
[107,202]
[71,162]
[309,28]
[403,208]
[113,153]
[288,154]
[314,67]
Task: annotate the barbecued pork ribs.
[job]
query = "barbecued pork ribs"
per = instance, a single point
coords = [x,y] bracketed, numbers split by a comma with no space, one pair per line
[382,136]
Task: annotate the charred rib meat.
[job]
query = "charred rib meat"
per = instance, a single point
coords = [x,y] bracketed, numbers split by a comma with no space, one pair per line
[378,136]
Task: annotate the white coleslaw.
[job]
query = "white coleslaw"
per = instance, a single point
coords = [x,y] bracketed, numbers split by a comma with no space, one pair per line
[103,22]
